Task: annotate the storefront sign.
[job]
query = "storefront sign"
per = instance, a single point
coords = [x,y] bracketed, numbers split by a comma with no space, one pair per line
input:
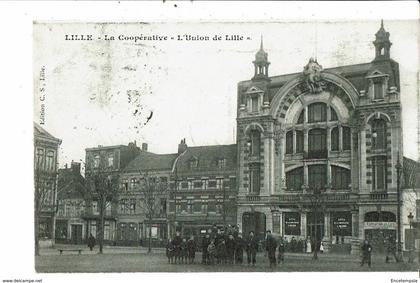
[292,223]
[342,223]
[380,225]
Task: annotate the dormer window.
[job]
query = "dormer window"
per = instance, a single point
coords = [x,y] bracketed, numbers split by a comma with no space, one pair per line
[254,104]
[221,163]
[378,92]
[96,160]
[193,163]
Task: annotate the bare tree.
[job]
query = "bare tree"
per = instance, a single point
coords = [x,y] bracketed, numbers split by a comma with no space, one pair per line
[152,189]
[45,186]
[103,187]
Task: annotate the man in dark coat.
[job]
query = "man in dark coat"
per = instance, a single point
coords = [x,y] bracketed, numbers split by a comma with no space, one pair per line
[271,246]
[282,250]
[251,248]
[91,241]
[176,242]
[221,251]
[204,245]
[191,247]
[293,245]
[366,253]
[170,251]
[239,249]
[230,248]
[184,251]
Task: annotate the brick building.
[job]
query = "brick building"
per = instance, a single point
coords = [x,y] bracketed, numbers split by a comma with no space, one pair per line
[336,131]
[45,179]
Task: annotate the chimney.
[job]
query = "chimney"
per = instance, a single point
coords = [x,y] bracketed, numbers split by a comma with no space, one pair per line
[75,167]
[182,146]
[144,146]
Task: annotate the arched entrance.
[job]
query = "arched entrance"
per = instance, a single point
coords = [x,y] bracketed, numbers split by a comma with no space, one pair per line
[254,221]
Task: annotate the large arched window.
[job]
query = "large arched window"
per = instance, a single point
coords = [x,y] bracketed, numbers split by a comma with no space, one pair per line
[255,142]
[317,176]
[378,134]
[301,117]
[294,179]
[289,141]
[346,138]
[340,178]
[335,139]
[333,116]
[317,112]
[317,143]
[254,178]
[381,216]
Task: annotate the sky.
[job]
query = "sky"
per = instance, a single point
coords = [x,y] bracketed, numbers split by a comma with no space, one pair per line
[102,92]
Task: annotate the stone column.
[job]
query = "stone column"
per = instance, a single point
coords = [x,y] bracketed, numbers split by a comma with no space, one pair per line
[305,174]
[355,241]
[329,139]
[340,138]
[362,167]
[303,224]
[305,140]
[327,232]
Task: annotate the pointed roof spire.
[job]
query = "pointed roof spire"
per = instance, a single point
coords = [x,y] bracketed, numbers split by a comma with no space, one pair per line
[261,46]
[382,23]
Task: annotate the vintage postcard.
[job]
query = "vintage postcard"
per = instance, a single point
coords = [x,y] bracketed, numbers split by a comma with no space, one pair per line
[210,146]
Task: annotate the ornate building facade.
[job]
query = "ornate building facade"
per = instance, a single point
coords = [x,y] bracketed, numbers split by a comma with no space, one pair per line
[317,150]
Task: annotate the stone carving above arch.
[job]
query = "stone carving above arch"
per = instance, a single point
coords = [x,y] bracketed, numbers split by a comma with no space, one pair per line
[332,83]
[253,126]
[378,115]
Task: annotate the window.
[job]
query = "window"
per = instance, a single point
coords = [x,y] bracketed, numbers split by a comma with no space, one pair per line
[254,179]
[93,228]
[335,139]
[132,207]
[294,179]
[107,231]
[123,206]
[111,160]
[190,206]
[301,117]
[379,173]
[219,183]
[317,112]
[255,142]
[96,161]
[40,158]
[178,207]
[334,116]
[50,161]
[204,206]
[289,142]
[221,163]
[193,163]
[254,104]
[95,208]
[190,184]
[124,185]
[108,208]
[340,178]
[219,207]
[317,176]
[378,134]
[299,141]
[205,184]
[378,92]
[133,183]
[317,143]
[162,212]
[346,138]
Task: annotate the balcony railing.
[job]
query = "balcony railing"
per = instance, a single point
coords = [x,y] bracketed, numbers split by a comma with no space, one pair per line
[253,198]
[378,195]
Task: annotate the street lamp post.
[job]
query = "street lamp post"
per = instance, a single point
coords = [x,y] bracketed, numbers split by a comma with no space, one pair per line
[399,168]
[410,221]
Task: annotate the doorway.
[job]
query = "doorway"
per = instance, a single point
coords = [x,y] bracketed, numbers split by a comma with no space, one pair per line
[315,228]
[76,234]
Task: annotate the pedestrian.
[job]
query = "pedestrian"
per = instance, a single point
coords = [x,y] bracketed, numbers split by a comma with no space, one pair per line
[366,253]
[230,249]
[170,251]
[239,249]
[271,246]
[191,247]
[211,250]
[282,249]
[91,242]
[321,247]
[251,248]
[221,252]
[308,245]
[390,249]
[293,244]
[176,242]
[204,245]
[184,251]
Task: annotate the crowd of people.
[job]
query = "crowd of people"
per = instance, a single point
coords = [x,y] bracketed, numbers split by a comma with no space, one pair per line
[224,246]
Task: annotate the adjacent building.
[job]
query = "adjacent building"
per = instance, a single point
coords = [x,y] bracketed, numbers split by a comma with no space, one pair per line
[317,150]
[45,179]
